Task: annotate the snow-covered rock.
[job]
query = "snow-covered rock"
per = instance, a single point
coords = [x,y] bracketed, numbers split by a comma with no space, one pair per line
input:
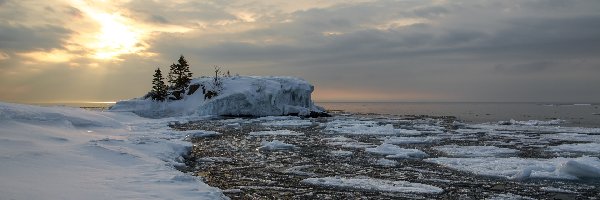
[239,96]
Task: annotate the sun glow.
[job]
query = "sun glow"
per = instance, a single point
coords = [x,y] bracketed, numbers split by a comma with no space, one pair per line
[115,37]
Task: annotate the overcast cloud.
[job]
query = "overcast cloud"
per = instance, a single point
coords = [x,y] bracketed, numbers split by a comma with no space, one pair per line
[497,50]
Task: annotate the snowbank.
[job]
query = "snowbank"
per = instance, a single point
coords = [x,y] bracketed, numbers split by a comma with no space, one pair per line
[70,153]
[240,96]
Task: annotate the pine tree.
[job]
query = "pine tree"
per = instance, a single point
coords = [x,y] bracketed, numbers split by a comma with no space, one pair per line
[159,89]
[173,76]
[185,75]
[180,75]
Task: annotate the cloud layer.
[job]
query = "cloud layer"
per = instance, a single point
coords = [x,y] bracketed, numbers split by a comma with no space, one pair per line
[503,50]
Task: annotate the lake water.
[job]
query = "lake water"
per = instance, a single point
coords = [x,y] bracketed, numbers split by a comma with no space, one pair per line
[586,115]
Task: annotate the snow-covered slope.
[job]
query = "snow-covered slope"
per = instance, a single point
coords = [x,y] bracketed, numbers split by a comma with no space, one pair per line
[70,153]
[240,95]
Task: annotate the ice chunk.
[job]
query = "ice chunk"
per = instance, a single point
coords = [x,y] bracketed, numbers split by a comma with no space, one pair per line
[347,142]
[386,162]
[277,132]
[411,140]
[475,151]
[585,147]
[359,127]
[509,196]
[558,190]
[288,123]
[297,170]
[393,151]
[525,168]
[532,122]
[275,145]
[371,184]
[341,153]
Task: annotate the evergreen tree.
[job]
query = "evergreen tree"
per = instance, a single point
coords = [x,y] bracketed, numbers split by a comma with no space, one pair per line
[172,76]
[180,75]
[159,89]
[186,75]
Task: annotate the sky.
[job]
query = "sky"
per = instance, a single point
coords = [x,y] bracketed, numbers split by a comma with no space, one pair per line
[351,50]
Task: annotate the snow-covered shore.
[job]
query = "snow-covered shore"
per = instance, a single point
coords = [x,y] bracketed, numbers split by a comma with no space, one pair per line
[239,96]
[71,153]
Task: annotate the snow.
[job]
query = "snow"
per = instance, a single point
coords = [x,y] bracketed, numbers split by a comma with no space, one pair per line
[585,147]
[371,184]
[70,153]
[275,133]
[240,96]
[526,168]
[393,151]
[359,127]
[475,151]
[411,140]
[275,145]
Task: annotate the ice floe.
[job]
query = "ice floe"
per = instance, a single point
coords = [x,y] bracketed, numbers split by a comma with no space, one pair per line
[393,151]
[525,168]
[276,133]
[371,184]
[341,153]
[289,123]
[275,145]
[386,162]
[582,147]
[347,142]
[297,170]
[475,151]
[411,140]
[359,127]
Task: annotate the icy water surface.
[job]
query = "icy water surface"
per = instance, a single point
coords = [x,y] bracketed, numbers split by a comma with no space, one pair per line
[395,157]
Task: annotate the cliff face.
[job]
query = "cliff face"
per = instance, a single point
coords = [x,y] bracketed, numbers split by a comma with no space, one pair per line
[237,96]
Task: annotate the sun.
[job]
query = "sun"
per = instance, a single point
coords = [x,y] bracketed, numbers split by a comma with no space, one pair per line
[115,37]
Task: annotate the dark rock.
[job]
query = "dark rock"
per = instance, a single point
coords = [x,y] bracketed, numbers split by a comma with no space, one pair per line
[193,88]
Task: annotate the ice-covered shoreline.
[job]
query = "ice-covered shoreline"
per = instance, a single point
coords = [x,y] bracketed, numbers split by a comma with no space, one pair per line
[72,153]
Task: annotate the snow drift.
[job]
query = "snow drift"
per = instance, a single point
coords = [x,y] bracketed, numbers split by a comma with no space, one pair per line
[239,96]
